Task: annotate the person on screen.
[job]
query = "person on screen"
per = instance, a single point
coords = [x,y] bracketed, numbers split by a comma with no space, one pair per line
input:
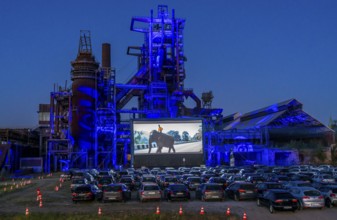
[160,129]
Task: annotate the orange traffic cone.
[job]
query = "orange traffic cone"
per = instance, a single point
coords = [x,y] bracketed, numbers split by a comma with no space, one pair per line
[56,188]
[5,189]
[180,211]
[27,211]
[99,211]
[157,211]
[60,185]
[202,211]
[40,204]
[38,191]
[244,216]
[228,212]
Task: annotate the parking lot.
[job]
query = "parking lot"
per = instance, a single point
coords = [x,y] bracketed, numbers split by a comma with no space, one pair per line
[17,200]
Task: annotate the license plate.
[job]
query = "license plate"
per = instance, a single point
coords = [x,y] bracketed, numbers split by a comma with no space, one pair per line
[152,193]
[215,197]
[287,207]
[248,191]
[180,193]
[82,194]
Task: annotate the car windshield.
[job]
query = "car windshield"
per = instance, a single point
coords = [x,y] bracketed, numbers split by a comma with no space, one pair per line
[304,184]
[274,186]
[247,186]
[170,179]
[126,180]
[312,193]
[213,187]
[78,181]
[149,188]
[194,180]
[82,189]
[113,188]
[105,181]
[178,187]
[218,180]
[334,190]
[283,195]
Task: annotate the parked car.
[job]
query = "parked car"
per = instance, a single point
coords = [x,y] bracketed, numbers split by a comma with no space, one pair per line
[116,192]
[296,183]
[149,191]
[193,182]
[241,190]
[128,181]
[262,188]
[329,192]
[278,199]
[209,191]
[77,182]
[87,192]
[308,197]
[177,191]
[104,182]
[165,181]
[218,180]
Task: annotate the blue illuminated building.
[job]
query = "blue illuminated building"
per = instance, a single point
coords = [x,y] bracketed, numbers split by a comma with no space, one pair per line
[90,123]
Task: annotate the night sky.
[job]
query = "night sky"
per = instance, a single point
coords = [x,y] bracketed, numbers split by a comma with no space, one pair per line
[251,54]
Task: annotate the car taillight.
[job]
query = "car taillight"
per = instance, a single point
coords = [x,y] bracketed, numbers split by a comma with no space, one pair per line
[332,195]
[120,190]
[100,185]
[142,192]
[241,190]
[74,194]
[320,197]
[90,193]
[305,197]
[294,200]
[278,201]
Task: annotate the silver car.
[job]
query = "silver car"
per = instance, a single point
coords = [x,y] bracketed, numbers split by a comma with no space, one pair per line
[149,191]
[329,192]
[308,197]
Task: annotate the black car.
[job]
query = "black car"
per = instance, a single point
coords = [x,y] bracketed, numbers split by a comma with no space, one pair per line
[264,187]
[86,192]
[176,191]
[116,192]
[128,181]
[241,190]
[278,199]
[193,182]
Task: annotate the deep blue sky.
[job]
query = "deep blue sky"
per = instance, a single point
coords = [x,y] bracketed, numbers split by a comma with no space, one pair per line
[251,54]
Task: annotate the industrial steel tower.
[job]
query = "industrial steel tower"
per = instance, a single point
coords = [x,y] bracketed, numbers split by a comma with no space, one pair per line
[84,95]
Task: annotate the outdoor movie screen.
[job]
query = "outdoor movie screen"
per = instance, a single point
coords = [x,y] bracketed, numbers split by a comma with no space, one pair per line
[167,136]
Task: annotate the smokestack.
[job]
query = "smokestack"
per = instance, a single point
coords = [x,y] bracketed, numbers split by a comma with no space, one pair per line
[106,55]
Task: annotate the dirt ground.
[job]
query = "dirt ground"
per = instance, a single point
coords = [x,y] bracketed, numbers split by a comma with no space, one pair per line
[25,196]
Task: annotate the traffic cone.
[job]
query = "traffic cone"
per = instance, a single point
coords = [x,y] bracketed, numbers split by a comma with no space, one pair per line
[244,216]
[99,211]
[5,189]
[157,211]
[60,185]
[38,191]
[180,211]
[56,188]
[228,212]
[11,187]
[27,212]
[40,204]
[202,211]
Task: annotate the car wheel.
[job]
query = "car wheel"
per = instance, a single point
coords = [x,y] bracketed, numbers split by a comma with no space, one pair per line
[271,209]
[258,202]
[328,203]
[236,197]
